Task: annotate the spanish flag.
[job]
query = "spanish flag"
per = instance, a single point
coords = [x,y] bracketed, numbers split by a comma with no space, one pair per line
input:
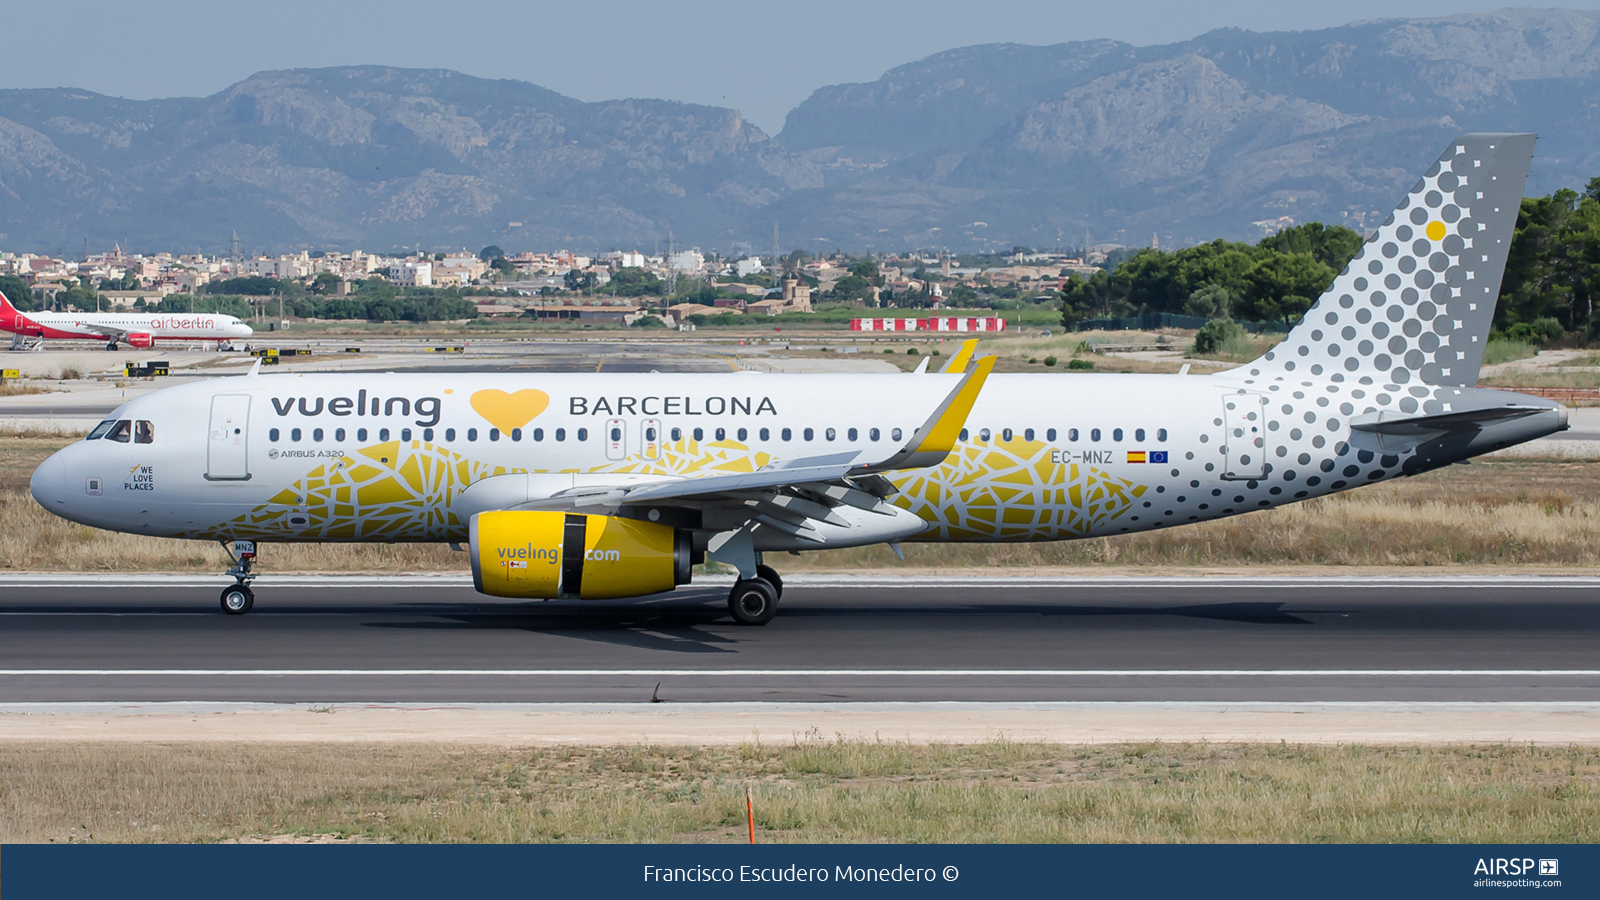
[1136,456]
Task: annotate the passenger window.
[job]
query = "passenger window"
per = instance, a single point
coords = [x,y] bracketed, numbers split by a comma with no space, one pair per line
[852,434]
[1072,434]
[516,434]
[338,435]
[1005,434]
[983,434]
[1027,435]
[722,434]
[405,434]
[895,434]
[383,434]
[143,432]
[963,435]
[449,434]
[1094,434]
[472,434]
[494,434]
[316,435]
[120,431]
[561,434]
[1050,434]
[427,434]
[699,434]
[808,434]
[294,434]
[650,434]
[616,434]
[361,434]
[872,434]
[1161,434]
[766,435]
[101,429]
[272,435]
[743,433]
[677,434]
[583,434]
[538,434]
[1138,435]
[830,434]
[787,434]
[1116,434]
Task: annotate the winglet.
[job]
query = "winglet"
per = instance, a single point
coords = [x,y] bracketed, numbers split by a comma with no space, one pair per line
[922,367]
[958,363]
[930,444]
[255,369]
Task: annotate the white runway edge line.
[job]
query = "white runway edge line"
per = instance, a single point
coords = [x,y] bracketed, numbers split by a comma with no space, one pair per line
[803,673]
[453,580]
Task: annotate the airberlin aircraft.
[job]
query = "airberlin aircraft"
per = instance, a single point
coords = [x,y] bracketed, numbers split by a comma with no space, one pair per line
[611,486]
[140,330]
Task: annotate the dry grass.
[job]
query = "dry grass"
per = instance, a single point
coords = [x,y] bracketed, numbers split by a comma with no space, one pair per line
[1529,512]
[811,790]
[14,389]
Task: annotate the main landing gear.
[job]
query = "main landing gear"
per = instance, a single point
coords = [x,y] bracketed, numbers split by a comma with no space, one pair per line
[237,598]
[754,601]
[111,345]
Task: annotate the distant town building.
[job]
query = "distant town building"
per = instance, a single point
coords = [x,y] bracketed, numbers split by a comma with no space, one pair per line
[749,266]
[412,274]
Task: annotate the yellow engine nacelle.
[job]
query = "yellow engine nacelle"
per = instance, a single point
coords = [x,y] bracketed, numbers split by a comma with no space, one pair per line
[545,555]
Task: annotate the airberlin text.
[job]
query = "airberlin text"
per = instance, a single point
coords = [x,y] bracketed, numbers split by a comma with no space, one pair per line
[671,406]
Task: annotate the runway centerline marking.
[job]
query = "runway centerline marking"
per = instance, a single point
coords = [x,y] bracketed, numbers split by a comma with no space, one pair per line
[813,673]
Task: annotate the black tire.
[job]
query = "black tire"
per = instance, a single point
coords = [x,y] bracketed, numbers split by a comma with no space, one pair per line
[753,602]
[237,599]
[770,576]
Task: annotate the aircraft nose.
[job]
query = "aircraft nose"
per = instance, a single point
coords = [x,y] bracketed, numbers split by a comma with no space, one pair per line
[49,482]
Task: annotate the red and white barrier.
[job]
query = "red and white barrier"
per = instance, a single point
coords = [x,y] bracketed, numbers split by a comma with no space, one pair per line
[934,323]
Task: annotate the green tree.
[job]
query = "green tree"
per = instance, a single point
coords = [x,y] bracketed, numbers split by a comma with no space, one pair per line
[1332,245]
[1211,301]
[491,253]
[17,292]
[325,283]
[1283,285]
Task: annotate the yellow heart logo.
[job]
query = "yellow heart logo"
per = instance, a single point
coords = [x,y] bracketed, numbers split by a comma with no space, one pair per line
[507,411]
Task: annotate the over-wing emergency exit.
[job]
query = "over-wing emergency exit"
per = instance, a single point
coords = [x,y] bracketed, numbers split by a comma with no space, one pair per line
[614,485]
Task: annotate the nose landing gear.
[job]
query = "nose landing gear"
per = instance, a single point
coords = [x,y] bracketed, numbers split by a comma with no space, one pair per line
[237,598]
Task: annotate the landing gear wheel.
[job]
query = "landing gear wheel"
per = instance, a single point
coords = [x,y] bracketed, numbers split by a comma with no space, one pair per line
[111,346]
[237,600]
[753,602]
[770,576]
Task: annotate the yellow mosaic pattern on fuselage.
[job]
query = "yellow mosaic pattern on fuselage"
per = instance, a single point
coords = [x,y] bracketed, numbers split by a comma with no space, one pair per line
[393,491]
[1011,491]
[998,491]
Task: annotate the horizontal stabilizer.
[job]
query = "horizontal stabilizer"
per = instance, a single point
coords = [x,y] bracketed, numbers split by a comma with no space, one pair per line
[1405,424]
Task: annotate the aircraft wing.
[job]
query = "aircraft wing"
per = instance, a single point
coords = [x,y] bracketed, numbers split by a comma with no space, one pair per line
[105,331]
[851,478]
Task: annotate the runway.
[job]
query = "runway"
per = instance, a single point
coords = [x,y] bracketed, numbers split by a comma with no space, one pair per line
[836,639]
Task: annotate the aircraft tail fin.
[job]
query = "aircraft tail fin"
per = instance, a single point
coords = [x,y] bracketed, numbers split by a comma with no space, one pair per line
[1416,303]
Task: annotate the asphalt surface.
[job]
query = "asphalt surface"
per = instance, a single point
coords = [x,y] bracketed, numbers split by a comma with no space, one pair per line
[327,639]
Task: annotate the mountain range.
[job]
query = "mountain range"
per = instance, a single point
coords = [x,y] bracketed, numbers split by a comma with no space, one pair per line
[1229,135]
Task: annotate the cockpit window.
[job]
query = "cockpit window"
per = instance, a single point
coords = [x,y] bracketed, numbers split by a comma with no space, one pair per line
[100,430]
[143,432]
[120,431]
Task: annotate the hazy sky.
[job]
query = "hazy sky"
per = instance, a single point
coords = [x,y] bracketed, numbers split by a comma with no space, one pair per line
[761,58]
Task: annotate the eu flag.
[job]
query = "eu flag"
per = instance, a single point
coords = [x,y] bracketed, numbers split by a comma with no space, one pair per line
[1158,456]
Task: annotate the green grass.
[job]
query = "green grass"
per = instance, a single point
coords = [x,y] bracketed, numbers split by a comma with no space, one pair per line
[809,790]
[1504,350]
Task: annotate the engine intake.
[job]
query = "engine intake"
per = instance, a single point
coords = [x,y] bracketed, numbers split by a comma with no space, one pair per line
[546,555]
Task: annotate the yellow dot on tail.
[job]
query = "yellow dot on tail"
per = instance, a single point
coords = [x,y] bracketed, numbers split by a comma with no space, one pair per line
[1435,231]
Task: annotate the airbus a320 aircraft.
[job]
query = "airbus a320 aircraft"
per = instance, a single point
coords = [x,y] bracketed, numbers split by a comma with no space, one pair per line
[606,486]
[140,330]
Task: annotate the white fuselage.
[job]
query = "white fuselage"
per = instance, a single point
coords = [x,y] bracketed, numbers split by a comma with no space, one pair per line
[129,326]
[402,457]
